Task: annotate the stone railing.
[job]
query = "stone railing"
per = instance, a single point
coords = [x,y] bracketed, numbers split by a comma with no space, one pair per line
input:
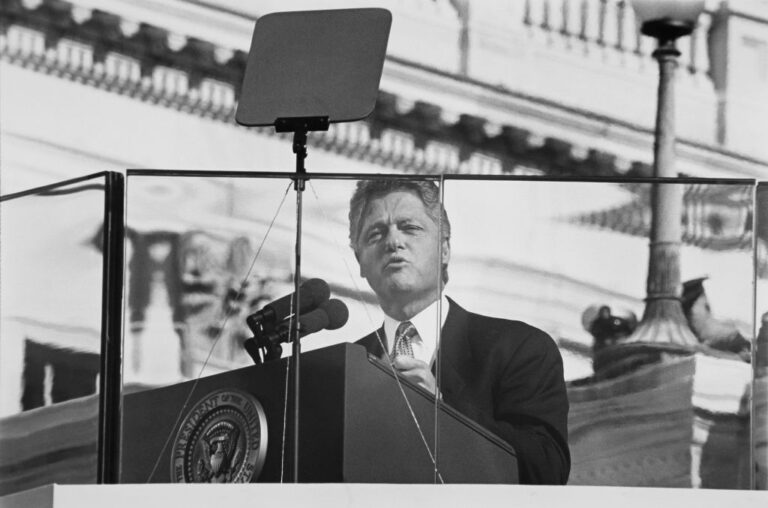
[608,28]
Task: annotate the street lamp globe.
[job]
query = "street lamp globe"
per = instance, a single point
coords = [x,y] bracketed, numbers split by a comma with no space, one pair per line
[667,19]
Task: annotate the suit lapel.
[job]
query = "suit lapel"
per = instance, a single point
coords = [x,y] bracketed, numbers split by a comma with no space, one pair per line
[454,354]
[372,344]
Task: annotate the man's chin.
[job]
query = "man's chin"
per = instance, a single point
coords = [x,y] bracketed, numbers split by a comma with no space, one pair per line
[404,292]
[399,285]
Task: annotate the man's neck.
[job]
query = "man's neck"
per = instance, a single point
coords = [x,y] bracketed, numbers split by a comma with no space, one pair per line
[405,311]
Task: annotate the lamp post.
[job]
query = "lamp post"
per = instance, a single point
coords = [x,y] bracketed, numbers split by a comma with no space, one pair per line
[663,320]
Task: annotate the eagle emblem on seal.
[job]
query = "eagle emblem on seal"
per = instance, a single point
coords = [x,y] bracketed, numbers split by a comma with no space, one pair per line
[222,439]
[220,454]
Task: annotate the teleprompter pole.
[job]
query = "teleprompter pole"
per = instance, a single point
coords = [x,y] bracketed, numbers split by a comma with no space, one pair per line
[299,182]
[304,71]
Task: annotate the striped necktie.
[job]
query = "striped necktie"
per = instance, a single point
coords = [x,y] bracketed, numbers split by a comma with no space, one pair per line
[404,337]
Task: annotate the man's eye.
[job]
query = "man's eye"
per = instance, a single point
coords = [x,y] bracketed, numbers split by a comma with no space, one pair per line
[374,236]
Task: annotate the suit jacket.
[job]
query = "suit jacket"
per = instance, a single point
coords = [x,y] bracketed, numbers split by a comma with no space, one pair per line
[508,377]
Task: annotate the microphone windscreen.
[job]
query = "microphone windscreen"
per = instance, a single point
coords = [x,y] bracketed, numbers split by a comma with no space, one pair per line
[313,293]
[312,322]
[338,313]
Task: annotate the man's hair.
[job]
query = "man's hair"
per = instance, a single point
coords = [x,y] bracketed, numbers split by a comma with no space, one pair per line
[427,191]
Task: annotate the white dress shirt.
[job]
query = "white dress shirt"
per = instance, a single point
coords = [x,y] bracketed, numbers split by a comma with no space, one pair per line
[426,325]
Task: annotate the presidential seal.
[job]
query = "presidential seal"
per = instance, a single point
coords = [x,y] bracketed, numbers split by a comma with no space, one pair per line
[223,439]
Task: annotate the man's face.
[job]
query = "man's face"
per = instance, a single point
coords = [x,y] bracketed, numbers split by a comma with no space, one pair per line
[398,251]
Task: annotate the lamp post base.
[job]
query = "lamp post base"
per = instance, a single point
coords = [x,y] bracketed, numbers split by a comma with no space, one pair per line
[662,335]
[663,323]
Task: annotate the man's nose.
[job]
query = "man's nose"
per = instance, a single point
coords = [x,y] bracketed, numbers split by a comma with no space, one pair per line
[394,239]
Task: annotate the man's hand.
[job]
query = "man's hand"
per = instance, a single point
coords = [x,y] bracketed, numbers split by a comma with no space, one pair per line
[415,371]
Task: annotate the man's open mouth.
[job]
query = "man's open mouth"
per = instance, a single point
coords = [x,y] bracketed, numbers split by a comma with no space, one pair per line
[395,262]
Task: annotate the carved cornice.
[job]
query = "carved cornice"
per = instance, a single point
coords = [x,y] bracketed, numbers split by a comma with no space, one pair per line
[201,78]
[148,58]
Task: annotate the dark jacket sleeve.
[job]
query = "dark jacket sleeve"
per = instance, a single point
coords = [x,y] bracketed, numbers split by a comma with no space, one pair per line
[531,411]
[530,403]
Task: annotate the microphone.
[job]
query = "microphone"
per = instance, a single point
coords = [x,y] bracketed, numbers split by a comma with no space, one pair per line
[330,315]
[337,312]
[313,293]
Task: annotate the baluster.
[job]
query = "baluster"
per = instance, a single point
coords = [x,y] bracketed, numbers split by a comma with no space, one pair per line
[685,45]
[630,36]
[85,58]
[29,43]
[180,84]
[627,28]
[581,19]
[559,16]
[700,46]
[610,30]
[535,14]
[159,77]
[591,23]
[621,29]
[527,13]
[642,47]
[556,22]
[570,13]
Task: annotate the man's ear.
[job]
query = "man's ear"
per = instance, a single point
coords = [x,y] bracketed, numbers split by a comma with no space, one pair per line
[357,257]
[445,251]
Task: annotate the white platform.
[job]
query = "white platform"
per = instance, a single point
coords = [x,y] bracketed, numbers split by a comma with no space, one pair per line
[373,496]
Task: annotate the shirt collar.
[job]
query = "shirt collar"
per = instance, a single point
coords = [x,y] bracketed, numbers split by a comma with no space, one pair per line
[425,324]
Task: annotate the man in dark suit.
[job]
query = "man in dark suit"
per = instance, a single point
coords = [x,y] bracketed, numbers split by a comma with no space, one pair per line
[505,375]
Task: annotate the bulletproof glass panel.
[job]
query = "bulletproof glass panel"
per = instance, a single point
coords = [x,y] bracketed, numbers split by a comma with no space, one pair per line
[208,256]
[760,355]
[555,281]
[51,292]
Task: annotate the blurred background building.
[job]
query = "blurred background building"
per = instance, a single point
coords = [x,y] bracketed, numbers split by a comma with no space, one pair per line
[550,88]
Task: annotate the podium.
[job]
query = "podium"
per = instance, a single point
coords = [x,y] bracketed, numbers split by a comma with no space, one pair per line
[355,426]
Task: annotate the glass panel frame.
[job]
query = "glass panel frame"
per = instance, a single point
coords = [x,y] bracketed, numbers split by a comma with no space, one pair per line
[759,399]
[99,412]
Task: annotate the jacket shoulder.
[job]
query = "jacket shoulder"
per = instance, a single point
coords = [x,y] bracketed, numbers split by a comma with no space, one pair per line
[489,334]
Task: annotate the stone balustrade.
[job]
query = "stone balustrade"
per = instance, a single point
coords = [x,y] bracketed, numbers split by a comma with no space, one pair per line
[609,28]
